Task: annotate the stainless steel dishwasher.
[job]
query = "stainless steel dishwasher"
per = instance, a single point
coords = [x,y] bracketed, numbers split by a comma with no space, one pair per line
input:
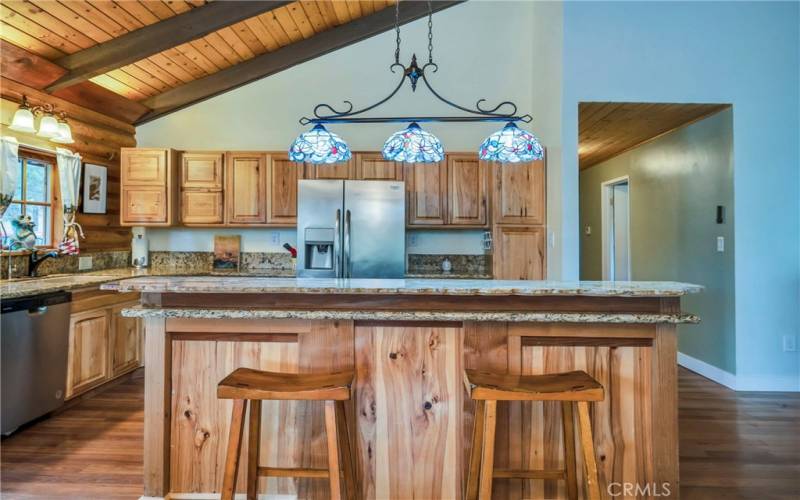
[35,340]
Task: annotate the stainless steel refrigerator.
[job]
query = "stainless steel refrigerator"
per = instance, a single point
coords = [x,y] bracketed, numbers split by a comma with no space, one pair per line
[351,229]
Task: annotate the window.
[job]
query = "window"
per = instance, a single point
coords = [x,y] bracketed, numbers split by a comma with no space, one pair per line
[34,197]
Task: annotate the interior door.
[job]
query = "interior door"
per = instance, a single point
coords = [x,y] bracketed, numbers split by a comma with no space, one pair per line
[616,231]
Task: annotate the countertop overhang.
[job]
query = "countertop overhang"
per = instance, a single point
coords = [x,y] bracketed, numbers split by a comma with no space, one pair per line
[439,287]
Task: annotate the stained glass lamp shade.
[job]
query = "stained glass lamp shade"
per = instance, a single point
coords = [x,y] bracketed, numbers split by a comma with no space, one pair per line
[319,146]
[413,145]
[511,145]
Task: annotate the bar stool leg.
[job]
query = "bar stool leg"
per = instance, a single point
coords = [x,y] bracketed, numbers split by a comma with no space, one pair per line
[253,449]
[347,457]
[234,448]
[475,453]
[587,445]
[333,451]
[487,458]
[569,450]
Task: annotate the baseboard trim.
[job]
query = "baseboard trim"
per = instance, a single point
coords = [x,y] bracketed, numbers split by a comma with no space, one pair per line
[710,372]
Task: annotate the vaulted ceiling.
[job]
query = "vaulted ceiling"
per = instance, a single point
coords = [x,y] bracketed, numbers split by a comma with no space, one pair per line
[607,129]
[140,59]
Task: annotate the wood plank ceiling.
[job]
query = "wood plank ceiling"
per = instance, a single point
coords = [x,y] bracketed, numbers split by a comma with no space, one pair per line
[607,129]
[53,30]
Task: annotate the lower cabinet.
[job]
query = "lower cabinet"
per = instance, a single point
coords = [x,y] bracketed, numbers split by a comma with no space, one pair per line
[519,253]
[102,345]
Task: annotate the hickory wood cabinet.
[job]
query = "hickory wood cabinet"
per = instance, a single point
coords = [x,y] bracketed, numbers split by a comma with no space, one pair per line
[202,188]
[149,186]
[103,345]
[520,193]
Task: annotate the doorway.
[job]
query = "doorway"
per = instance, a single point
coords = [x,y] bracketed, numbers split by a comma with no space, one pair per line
[616,229]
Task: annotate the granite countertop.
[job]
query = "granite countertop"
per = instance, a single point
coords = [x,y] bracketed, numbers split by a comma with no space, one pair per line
[506,316]
[238,284]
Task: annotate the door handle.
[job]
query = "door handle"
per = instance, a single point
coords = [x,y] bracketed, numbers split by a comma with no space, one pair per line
[336,244]
[347,270]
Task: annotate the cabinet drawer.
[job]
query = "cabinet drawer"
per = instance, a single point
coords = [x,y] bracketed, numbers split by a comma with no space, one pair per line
[201,207]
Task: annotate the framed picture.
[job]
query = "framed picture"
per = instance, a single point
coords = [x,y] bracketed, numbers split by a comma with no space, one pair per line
[227,252]
[95,188]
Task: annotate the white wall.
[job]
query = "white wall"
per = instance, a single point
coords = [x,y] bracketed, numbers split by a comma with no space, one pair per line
[744,53]
[480,53]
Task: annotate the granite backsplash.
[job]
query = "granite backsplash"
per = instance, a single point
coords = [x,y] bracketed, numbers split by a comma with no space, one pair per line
[65,264]
[263,263]
[466,265]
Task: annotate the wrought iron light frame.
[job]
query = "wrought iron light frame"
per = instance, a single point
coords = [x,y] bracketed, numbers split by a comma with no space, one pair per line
[505,111]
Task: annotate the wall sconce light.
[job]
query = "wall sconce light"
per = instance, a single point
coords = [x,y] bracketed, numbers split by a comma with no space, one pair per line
[57,130]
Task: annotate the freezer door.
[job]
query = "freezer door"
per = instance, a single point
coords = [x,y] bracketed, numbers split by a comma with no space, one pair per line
[374,229]
[319,228]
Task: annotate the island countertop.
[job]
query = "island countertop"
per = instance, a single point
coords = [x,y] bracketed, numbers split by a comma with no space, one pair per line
[449,287]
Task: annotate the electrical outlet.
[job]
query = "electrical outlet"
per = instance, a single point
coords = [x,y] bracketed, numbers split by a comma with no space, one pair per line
[275,237]
[84,263]
[789,343]
[412,240]
[588,230]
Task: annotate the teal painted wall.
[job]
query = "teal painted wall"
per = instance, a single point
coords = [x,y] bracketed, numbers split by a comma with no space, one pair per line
[676,182]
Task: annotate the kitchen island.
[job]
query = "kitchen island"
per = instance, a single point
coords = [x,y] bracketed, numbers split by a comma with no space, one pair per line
[408,342]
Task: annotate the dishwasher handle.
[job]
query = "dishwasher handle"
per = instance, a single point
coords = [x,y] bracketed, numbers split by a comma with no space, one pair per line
[35,304]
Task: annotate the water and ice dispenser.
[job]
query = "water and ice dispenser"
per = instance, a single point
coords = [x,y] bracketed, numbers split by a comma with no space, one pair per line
[319,248]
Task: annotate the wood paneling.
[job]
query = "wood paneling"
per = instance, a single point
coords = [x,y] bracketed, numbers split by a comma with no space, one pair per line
[282,180]
[246,181]
[467,190]
[88,351]
[519,253]
[426,193]
[409,399]
[372,167]
[607,129]
[519,193]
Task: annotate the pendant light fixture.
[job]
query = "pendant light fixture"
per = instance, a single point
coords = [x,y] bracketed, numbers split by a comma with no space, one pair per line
[50,127]
[413,144]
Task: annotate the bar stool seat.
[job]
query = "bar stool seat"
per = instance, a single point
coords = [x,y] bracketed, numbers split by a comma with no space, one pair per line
[576,388]
[246,385]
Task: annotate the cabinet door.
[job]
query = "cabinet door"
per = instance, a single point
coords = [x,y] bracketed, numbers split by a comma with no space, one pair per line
[426,193]
[201,207]
[519,253]
[88,351]
[201,170]
[519,193]
[467,190]
[342,170]
[282,186]
[144,204]
[372,167]
[144,167]
[246,193]
[125,345]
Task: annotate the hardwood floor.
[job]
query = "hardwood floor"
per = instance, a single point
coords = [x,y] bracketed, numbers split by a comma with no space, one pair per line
[733,446]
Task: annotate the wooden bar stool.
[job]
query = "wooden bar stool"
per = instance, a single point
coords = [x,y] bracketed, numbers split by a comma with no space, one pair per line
[570,388]
[245,385]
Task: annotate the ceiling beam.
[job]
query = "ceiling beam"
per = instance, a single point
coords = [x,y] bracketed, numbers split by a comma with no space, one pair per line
[144,42]
[273,62]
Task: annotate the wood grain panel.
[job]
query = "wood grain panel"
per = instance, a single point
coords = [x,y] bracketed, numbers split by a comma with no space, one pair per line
[282,180]
[246,181]
[607,129]
[519,193]
[426,193]
[467,190]
[372,167]
[519,253]
[409,398]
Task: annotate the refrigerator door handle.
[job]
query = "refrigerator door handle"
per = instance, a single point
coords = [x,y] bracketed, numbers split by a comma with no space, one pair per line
[347,270]
[337,251]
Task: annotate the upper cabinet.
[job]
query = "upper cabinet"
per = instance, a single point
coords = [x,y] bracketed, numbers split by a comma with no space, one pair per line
[282,197]
[202,170]
[341,171]
[202,200]
[149,186]
[467,190]
[372,167]
[246,188]
[426,194]
[519,193]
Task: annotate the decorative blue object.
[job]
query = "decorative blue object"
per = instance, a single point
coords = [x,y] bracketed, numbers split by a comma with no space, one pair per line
[511,145]
[319,146]
[413,145]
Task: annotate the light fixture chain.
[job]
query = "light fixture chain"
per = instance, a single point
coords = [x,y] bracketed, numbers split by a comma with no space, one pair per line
[430,32]
[397,31]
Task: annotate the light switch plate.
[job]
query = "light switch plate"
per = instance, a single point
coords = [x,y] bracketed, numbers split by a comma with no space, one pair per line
[275,237]
[412,240]
[84,263]
[789,343]
[720,243]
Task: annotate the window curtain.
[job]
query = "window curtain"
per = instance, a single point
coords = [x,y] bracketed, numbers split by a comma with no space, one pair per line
[69,175]
[9,175]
